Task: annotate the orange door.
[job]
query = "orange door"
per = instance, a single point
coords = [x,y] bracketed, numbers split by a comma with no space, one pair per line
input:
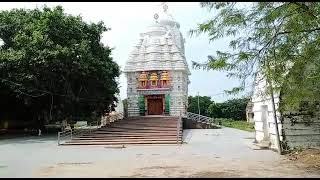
[158,107]
[150,106]
[155,106]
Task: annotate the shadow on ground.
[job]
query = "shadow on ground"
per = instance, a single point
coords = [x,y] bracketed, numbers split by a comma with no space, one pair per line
[26,139]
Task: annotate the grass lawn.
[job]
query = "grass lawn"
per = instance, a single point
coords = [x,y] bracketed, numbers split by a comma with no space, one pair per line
[242,125]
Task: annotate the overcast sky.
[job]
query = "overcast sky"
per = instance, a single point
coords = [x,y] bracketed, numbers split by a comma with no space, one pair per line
[128,19]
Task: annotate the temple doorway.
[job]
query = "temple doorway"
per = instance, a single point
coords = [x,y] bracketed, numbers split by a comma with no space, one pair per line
[155,104]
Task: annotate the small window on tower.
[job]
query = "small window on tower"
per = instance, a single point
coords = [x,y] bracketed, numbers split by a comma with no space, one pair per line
[131,90]
[164,83]
[143,83]
[153,83]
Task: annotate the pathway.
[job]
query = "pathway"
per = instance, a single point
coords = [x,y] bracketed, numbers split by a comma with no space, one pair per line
[222,152]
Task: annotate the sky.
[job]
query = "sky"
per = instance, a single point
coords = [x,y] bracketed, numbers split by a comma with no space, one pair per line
[128,19]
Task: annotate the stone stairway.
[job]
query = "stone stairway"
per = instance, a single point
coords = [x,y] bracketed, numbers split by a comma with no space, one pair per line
[135,130]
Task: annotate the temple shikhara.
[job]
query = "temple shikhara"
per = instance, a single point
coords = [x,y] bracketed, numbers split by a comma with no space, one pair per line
[157,71]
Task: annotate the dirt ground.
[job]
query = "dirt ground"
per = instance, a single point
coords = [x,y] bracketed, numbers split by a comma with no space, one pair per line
[308,158]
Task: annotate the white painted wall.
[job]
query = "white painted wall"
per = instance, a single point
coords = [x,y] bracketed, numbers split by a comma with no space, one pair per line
[298,128]
[265,130]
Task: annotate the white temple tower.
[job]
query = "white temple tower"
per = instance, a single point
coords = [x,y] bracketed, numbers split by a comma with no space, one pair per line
[157,71]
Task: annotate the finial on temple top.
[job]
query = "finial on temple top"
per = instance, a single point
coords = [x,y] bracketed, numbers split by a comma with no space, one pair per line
[165,6]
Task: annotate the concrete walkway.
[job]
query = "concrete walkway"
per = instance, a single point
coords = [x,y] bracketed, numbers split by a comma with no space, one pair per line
[207,153]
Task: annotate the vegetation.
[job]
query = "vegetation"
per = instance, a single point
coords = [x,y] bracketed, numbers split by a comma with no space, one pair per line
[53,66]
[234,109]
[204,103]
[125,107]
[242,125]
[272,38]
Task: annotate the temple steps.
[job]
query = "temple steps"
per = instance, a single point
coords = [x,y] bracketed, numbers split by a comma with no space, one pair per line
[121,140]
[137,130]
[123,143]
[123,137]
[146,122]
[137,127]
[134,133]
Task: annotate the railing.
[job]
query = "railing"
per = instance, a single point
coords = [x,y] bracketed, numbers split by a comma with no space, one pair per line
[200,118]
[68,134]
[63,135]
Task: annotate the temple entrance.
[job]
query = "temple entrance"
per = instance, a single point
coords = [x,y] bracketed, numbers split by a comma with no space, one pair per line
[155,104]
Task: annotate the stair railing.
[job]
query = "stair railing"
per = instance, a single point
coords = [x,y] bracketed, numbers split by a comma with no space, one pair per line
[199,118]
[64,134]
[68,134]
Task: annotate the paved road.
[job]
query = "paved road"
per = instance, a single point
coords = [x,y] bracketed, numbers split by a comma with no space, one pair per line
[208,153]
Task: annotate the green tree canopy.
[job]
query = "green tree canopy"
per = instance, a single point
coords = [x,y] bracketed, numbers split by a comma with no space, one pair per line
[53,64]
[215,110]
[204,103]
[232,109]
[266,37]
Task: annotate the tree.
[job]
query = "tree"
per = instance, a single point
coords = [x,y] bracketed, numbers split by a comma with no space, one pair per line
[232,109]
[235,109]
[266,37]
[215,110]
[54,66]
[204,103]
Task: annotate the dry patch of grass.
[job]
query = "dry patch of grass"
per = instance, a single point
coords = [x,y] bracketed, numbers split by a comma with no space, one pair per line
[158,171]
[309,158]
[160,167]
[214,174]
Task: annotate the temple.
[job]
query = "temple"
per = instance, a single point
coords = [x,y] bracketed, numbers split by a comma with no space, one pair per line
[157,71]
